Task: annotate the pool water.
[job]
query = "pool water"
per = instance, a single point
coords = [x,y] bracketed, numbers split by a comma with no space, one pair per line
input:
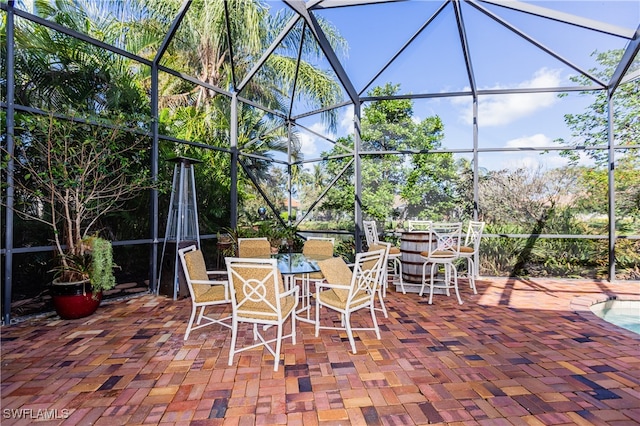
[623,313]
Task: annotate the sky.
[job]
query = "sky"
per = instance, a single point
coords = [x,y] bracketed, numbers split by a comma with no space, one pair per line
[434,63]
[501,59]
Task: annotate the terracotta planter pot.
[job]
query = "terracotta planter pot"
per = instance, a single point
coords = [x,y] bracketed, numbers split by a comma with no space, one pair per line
[74,300]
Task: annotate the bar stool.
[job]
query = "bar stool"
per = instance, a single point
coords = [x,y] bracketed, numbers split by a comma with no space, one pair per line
[445,252]
[470,251]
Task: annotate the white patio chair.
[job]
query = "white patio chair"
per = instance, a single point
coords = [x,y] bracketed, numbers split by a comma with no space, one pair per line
[258,297]
[370,231]
[254,247]
[383,277]
[203,291]
[347,291]
[394,266]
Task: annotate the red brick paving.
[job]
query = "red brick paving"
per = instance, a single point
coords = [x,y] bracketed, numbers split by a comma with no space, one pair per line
[520,352]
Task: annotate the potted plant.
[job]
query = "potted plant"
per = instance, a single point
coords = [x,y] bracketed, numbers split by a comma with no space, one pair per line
[290,235]
[69,175]
[277,234]
[273,233]
[77,288]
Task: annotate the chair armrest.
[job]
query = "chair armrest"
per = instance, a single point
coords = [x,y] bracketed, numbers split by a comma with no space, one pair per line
[336,286]
[215,282]
[210,282]
[294,291]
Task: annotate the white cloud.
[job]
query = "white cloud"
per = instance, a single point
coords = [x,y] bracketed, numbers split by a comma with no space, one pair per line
[345,123]
[534,141]
[310,141]
[525,159]
[534,159]
[312,144]
[498,110]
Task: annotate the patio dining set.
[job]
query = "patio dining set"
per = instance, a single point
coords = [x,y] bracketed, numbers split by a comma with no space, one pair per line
[267,290]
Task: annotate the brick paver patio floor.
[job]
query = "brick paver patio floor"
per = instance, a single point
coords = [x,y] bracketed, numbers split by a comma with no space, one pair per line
[519,352]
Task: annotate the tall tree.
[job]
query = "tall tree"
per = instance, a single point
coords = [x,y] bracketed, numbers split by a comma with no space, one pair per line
[591,129]
[64,75]
[426,182]
[201,48]
[57,72]
[526,197]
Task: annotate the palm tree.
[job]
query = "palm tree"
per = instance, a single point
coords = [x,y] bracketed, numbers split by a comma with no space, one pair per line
[222,53]
[201,48]
[58,70]
[61,73]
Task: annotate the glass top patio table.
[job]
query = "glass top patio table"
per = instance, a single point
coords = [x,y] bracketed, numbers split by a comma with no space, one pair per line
[297,263]
[292,265]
